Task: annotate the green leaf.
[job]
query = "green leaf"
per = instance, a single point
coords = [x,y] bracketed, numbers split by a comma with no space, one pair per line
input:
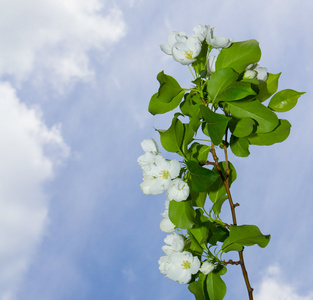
[215,125]
[268,88]
[217,189]
[199,152]
[198,288]
[217,206]
[242,127]
[172,138]
[239,55]
[168,96]
[191,105]
[266,119]
[236,91]
[182,214]
[278,135]
[216,287]
[200,236]
[201,178]
[198,199]
[188,136]
[219,81]
[284,100]
[244,235]
[218,233]
[239,146]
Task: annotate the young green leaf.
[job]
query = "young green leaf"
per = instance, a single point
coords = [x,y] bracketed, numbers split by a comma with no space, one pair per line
[201,178]
[244,235]
[198,288]
[172,138]
[215,126]
[269,87]
[236,91]
[242,127]
[199,152]
[215,285]
[239,55]
[182,214]
[217,189]
[239,146]
[284,100]
[267,120]
[219,81]
[168,96]
[278,135]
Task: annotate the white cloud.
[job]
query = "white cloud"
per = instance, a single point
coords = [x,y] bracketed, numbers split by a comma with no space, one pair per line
[274,287]
[55,36]
[24,167]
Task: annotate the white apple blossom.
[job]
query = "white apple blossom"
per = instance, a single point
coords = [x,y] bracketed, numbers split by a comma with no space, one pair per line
[255,71]
[173,38]
[150,145]
[187,51]
[206,268]
[211,64]
[158,178]
[175,243]
[178,190]
[217,41]
[146,161]
[166,224]
[200,32]
[179,266]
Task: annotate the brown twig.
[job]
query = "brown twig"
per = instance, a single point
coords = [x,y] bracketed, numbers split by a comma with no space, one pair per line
[233,213]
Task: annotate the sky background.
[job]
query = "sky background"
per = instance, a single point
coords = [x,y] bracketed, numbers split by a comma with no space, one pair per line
[76,78]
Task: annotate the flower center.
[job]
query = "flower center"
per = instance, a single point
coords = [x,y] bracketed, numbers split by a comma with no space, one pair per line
[186,264]
[188,54]
[164,174]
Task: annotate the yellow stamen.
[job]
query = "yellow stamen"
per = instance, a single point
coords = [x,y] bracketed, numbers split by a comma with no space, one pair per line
[188,54]
[164,174]
[186,264]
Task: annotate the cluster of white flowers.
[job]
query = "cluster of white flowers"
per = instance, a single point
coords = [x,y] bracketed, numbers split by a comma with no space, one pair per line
[180,265]
[185,48]
[161,175]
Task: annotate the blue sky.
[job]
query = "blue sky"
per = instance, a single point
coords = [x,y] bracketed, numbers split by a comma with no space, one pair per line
[75,82]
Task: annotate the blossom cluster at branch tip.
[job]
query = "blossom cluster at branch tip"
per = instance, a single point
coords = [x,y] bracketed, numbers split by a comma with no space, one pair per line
[185,48]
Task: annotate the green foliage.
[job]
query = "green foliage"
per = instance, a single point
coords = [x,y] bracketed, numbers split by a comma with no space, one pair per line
[265,118]
[201,178]
[284,100]
[172,138]
[244,235]
[219,81]
[216,287]
[239,55]
[268,88]
[278,135]
[182,214]
[198,288]
[236,91]
[168,97]
[215,124]
[239,146]
[242,127]
[217,189]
